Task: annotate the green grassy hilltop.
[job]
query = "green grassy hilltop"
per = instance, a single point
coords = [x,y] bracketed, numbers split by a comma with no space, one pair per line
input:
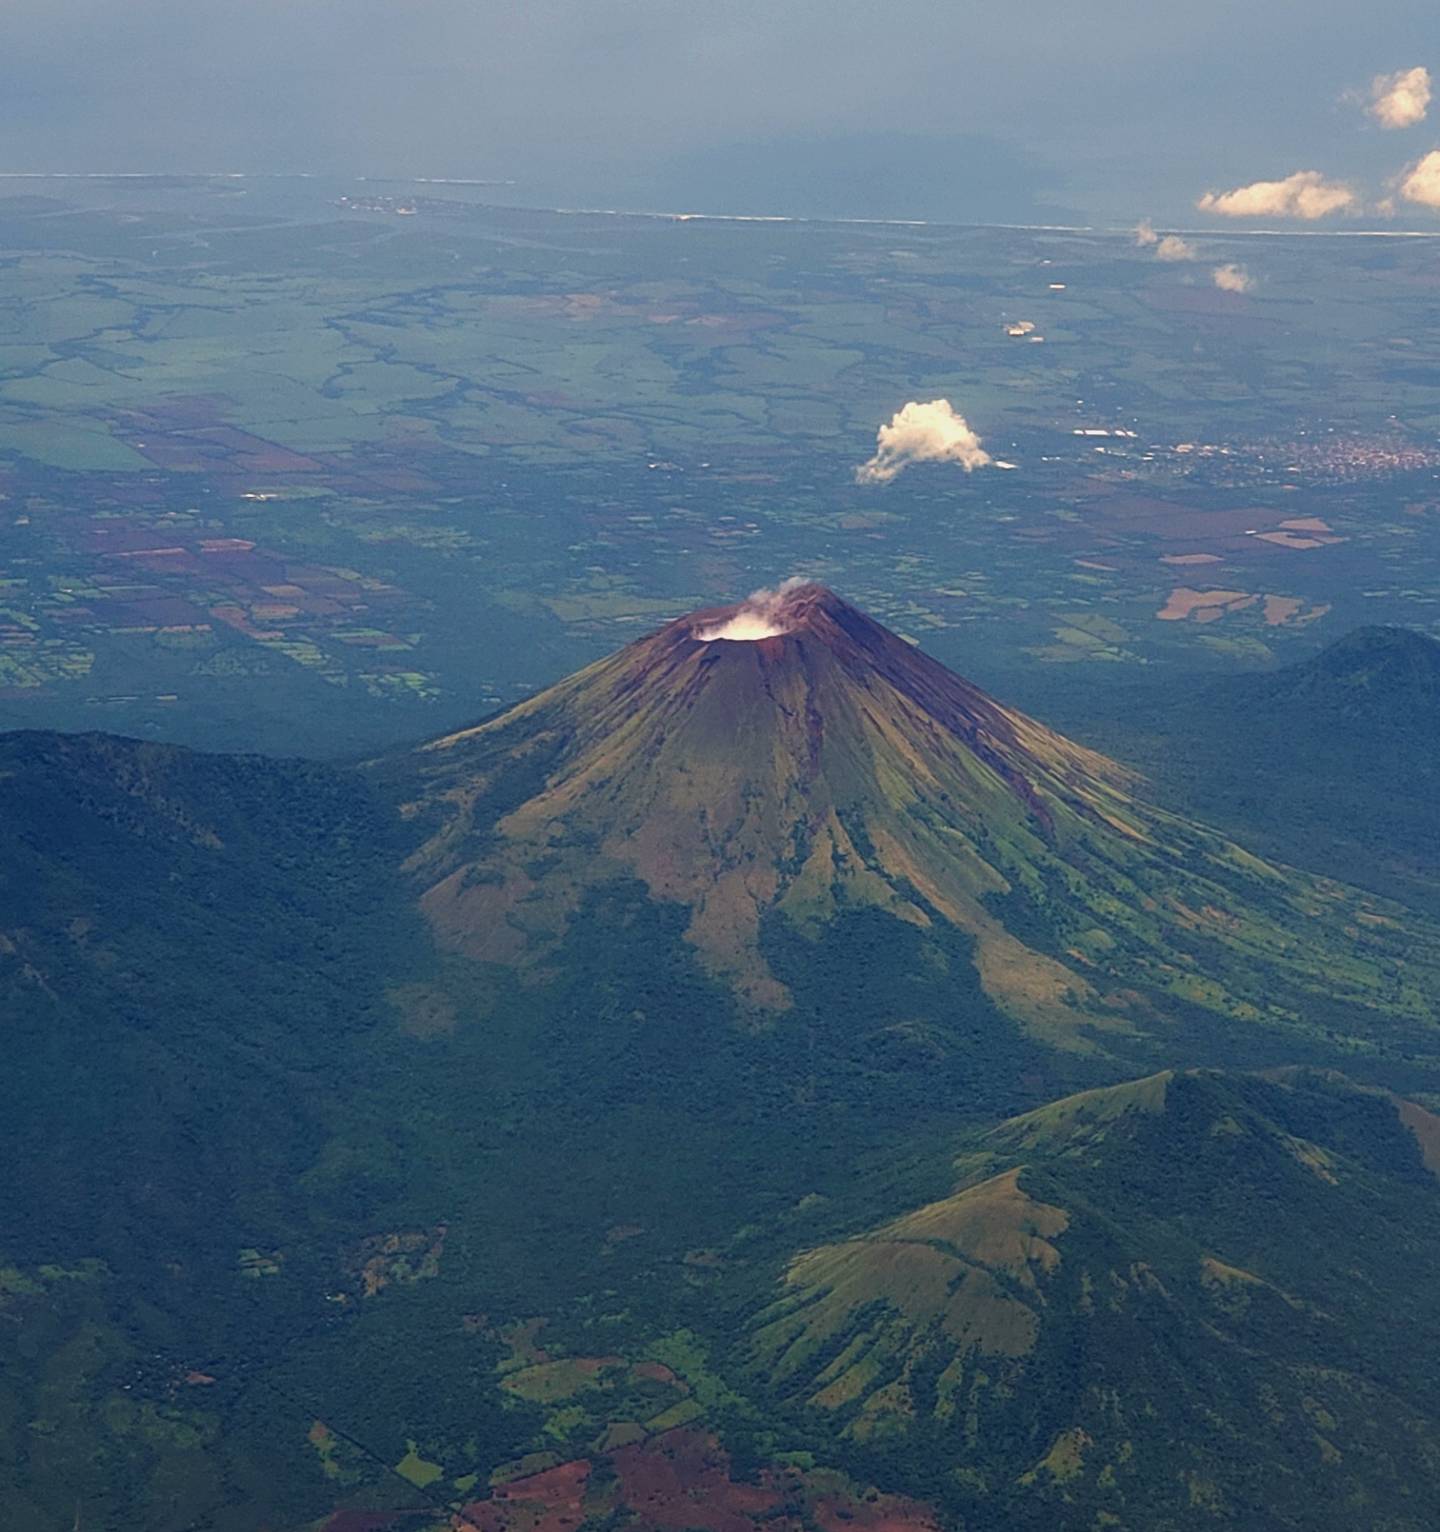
[1201,1298]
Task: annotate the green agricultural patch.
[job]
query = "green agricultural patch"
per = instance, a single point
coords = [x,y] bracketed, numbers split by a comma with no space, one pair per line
[418,1470]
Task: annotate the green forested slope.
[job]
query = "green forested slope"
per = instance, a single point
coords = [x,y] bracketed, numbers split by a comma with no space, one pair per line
[1201,1299]
[290,1180]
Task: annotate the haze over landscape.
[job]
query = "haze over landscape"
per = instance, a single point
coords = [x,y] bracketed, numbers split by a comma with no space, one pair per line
[718,768]
[1052,112]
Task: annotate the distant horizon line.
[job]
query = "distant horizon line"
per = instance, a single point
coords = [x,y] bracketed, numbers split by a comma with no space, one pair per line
[688,216]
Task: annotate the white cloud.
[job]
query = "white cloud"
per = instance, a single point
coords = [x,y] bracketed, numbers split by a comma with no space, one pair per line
[1400,100]
[1173,248]
[1231,278]
[1421,183]
[1306,194]
[922,433]
[1168,247]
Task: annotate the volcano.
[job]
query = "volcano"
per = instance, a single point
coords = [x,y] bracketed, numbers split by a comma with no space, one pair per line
[789,759]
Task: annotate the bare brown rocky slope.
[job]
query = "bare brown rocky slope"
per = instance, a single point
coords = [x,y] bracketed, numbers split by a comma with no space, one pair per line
[792,758]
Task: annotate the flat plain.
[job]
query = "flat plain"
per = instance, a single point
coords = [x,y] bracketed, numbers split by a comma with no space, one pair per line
[313,467]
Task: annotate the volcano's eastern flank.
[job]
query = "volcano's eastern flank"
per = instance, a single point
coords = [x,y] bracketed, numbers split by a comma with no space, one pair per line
[790,757]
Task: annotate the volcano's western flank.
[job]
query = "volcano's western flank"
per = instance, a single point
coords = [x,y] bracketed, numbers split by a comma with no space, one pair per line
[791,759]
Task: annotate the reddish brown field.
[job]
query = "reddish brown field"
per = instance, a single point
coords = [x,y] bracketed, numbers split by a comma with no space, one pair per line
[655,1372]
[1172,522]
[1202,605]
[376,1521]
[1292,540]
[1426,1128]
[682,1480]
[552,1501]
[1280,609]
[886,1513]
[1206,302]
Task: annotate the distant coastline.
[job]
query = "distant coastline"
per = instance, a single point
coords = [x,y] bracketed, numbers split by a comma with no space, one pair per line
[683,215]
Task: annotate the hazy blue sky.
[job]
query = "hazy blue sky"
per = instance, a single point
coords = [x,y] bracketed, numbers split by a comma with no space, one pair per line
[1111,108]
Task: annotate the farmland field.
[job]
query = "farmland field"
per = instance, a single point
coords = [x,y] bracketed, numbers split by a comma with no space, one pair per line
[311,467]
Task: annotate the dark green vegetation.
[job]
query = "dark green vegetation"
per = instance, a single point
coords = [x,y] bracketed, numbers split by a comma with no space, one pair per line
[1205,1299]
[307,1211]
[268,1167]
[1332,763]
[164,917]
[188,944]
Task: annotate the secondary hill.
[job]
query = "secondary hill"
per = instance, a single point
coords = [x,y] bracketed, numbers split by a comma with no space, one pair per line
[1201,1298]
[1377,678]
[772,768]
[1332,763]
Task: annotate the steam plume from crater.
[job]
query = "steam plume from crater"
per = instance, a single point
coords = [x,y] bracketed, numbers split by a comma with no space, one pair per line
[760,615]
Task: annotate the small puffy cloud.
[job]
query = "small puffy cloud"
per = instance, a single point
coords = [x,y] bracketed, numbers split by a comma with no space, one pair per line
[1306,194]
[1421,183]
[1400,100]
[1231,278]
[1173,248]
[1169,247]
[922,433]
